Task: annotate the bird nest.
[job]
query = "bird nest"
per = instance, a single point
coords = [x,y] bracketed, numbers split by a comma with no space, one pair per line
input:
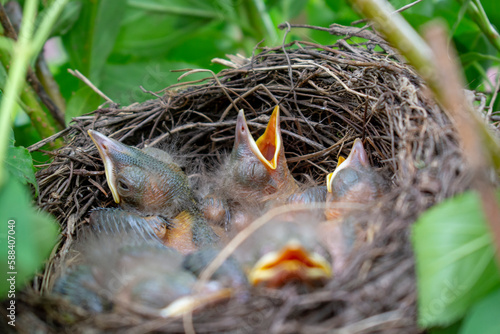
[328,95]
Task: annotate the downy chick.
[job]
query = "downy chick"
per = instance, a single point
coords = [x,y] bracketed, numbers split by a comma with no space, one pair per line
[149,183]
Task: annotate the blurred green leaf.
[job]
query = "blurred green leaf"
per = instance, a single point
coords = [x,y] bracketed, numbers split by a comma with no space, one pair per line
[484,316]
[455,259]
[68,84]
[452,329]
[92,38]
[292,9]
[20,164]
[67,19]
[152,34]
[35,234]
[83,101]
[153,76]
[491,8]
[336,5]
[322,15]
[195,8]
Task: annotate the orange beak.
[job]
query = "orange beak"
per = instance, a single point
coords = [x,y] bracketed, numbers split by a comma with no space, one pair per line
[292,262]
[269,143]
[268,146]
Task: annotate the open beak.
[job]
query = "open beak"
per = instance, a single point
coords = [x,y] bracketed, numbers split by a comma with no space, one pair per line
[107,149]
[357,156]
[292,262]
[268,146]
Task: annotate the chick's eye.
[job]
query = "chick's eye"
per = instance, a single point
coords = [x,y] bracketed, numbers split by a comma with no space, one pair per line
[258,173]
[253,171]
[123,186]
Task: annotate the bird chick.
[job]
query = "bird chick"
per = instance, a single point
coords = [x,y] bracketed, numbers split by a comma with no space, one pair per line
[254,175]
[258,169]
[309,195]
[147,182]
[353,181]
[286,252]
[125,270]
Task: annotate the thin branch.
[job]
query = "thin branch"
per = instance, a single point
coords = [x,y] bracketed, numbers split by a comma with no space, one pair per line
[82,77]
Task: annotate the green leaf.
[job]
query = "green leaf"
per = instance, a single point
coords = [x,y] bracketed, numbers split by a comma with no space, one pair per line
[455,259]
[183,8]
[90,41]
[67,19]
[452,329]
[484,316]
[153,76]
[28,234]
[147,33]
[83,101]
[291,9]
[20,164]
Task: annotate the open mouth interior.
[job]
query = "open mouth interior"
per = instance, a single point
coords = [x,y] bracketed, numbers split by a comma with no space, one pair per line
[291,262]
[269,144]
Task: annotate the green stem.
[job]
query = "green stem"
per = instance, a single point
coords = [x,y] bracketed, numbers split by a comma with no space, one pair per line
[24,49]
[16,78]
[49,83]
[43,122]
[45,27]
[478,15]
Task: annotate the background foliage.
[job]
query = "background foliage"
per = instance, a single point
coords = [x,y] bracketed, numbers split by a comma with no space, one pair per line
[124,45]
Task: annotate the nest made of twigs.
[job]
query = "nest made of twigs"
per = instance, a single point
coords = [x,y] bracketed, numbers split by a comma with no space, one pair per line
[329,95]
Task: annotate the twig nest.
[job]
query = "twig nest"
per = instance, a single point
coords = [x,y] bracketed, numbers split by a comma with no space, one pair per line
[328,95]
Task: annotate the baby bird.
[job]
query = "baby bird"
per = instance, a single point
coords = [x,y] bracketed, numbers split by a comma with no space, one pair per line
[129,270]
[149,183]
[353,181]
[286,252]
[254,175]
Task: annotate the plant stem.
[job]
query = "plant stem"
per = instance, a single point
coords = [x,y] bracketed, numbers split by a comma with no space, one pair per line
[26,46]
[478,15]
[42,81]
[43,31]
[49,83]
[15,79]
[41,120]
